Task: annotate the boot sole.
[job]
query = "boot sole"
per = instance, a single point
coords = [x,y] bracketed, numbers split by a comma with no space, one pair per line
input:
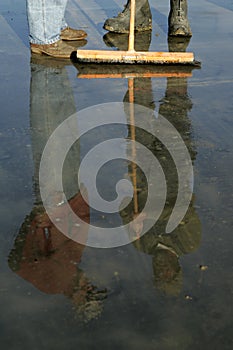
[73,39]
[126,31]
[180,33]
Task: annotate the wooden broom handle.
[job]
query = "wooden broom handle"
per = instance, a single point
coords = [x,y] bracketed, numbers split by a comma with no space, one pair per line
[131,25]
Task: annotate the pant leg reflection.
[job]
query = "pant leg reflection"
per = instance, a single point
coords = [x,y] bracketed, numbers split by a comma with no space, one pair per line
[165,249]
[41,254]
[52,102]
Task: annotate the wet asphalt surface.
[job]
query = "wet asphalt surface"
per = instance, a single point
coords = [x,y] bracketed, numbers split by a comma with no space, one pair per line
[135,296]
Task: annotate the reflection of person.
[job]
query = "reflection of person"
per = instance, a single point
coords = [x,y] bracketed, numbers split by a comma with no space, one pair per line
[49,260]
[42,254]
[167,249]
[164,249]
[142,86]
[51,102]
[177,19]
[48,30]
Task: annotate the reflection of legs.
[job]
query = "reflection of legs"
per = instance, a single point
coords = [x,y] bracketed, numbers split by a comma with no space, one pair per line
[142,95]
[142,86]
[175,107]
[166,249]
[177,103]
[120,24]
[139,92]
[51,102]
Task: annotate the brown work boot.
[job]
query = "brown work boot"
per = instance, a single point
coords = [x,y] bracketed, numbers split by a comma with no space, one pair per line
[59,49]
[71,34]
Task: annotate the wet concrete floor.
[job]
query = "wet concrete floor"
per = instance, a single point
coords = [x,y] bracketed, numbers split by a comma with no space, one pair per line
[162,291]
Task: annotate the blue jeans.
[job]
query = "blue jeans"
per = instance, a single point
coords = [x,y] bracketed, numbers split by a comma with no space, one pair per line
[46,20]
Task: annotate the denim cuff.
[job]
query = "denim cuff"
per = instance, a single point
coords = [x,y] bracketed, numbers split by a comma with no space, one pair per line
[47,42]
[64,26]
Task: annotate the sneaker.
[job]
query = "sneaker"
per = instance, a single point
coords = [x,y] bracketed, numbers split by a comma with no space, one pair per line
[59,49]
[70,34]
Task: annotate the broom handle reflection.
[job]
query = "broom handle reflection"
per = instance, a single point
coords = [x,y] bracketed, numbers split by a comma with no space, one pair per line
[133,138]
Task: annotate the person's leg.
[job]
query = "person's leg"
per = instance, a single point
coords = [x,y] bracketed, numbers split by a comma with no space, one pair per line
[120,24]
[178,19]
[45,19]
[48,29]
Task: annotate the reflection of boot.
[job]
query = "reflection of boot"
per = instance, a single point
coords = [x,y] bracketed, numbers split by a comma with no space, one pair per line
[143,94]
[51,102]
[141,41]
[167,270]
[176,105]
[120,24]
[178,19]
[178,44]
[142,86]
[45,62]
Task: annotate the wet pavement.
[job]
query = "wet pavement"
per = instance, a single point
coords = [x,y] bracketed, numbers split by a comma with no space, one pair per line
[162,291]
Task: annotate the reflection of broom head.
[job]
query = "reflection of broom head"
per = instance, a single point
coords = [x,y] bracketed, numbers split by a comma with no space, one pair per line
[103,71]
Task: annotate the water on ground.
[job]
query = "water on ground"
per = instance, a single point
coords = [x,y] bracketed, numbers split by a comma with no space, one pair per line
[164,291]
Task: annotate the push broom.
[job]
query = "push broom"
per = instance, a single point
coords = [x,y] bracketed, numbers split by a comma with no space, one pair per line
[131,56]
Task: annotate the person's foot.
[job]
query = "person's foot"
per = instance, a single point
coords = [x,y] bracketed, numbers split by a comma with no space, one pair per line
[59,49]
[143,19]
[70,34]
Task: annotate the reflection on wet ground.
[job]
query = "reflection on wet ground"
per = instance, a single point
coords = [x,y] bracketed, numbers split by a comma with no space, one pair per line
[165,291]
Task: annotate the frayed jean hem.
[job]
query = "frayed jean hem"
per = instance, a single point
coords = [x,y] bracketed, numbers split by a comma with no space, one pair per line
[47,42]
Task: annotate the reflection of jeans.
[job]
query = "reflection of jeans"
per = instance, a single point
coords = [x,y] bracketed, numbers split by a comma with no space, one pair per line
[46,19]
[52,102]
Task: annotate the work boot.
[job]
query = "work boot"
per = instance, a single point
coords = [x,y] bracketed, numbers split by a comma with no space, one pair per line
[71,34]
[59,49]
[143,19]
[178,19]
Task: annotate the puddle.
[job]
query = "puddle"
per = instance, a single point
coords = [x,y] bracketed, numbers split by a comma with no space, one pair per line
[165,291]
